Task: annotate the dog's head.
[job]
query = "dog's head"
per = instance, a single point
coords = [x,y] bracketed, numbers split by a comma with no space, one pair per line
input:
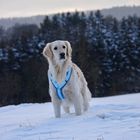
[59,51]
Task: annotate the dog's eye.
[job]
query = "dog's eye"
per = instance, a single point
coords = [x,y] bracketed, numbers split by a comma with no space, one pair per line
[55,48]
[64,47]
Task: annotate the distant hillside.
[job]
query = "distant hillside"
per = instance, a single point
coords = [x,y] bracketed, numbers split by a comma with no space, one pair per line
[8,22]
[120,12]
[117,12]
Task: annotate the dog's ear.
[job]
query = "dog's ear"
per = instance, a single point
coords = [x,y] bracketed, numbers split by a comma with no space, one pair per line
[47,52]
[69,49]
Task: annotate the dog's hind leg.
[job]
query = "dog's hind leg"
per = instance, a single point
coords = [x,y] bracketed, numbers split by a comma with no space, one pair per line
[85,104]
[66,109]
[86,97]
[77,100]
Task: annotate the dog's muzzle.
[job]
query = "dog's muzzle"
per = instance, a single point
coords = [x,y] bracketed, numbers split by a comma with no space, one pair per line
[62,55]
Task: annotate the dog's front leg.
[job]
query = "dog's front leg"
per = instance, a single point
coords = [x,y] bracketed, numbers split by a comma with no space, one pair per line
[57,108]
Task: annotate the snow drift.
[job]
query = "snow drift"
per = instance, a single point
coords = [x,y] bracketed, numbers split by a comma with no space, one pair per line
[110,118]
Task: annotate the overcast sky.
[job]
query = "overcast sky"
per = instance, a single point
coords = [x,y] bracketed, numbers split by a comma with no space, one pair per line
[17,8]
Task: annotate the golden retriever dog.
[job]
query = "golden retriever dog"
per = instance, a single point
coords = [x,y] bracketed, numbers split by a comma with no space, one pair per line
[67,84]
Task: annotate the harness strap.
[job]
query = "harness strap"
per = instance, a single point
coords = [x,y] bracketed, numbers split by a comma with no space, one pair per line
[59,87]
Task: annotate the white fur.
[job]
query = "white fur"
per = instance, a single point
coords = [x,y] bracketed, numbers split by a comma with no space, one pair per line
[76,91]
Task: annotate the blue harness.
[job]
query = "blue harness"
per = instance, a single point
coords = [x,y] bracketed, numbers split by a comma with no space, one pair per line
[59,87]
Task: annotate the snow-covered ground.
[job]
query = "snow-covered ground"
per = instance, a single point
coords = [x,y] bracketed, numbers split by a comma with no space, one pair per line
[110,118]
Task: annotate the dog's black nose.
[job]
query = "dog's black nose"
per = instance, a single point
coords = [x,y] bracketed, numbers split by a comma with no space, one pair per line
[62,55]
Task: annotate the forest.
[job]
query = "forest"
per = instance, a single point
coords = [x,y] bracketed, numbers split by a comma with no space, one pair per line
[105,48]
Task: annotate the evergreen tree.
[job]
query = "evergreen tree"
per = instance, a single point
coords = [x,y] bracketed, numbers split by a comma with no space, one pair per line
[106,49]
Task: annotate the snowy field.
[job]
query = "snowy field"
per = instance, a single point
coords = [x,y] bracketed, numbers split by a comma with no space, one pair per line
[110,118]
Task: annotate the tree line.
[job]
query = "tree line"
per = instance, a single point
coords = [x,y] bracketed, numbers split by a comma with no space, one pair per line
[106,49]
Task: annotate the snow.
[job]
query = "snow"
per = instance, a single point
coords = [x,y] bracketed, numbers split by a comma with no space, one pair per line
[109,118]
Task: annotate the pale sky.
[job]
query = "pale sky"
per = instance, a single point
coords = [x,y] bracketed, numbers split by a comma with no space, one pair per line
[17,8]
